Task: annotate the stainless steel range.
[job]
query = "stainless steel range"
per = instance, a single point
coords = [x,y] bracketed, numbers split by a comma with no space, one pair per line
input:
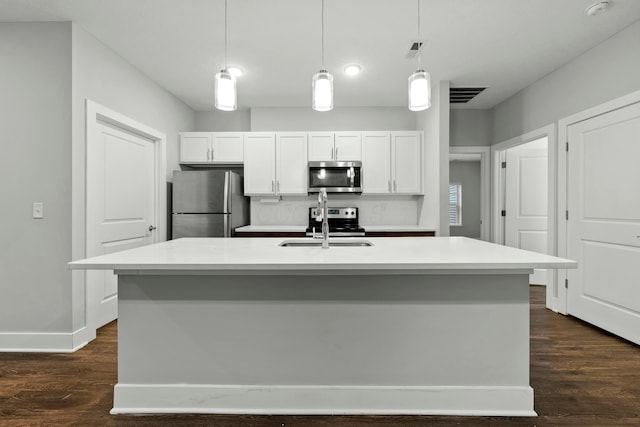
[343,222]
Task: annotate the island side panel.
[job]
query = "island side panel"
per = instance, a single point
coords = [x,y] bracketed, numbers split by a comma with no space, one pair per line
[455,343]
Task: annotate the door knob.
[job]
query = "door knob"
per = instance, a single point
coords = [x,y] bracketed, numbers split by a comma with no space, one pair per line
[151,228]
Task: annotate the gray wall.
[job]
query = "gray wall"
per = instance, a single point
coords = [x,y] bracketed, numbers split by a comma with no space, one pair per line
[223,121]
[104,77]
[603,73]
[470,127]
[338,119]
[47,71]
[435,122]
[467,174]
[35,106]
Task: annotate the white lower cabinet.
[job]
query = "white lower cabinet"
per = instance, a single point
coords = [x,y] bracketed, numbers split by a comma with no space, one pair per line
[275,163]
[392,162]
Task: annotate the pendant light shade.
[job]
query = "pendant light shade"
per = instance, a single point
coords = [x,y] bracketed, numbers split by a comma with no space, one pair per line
[420,81]
[419,91]
[322,83]
[322,91]
[225,91]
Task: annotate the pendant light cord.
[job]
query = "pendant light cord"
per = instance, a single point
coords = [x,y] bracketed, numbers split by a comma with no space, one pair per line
[225,34]
[419,38]
[322,34]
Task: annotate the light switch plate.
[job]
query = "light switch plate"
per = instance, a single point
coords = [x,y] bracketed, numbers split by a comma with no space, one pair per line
[38,210]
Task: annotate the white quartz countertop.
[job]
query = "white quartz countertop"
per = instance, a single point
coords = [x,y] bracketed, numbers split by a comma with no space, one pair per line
[272,229]
[302,228]
[387,255]
[392,228]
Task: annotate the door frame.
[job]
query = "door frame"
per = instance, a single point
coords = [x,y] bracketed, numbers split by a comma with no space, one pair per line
[485,184]
[563,179]
[498,155]
[95,113]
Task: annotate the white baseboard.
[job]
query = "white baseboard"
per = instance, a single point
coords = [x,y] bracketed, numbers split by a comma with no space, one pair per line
[43,342]
[322,400]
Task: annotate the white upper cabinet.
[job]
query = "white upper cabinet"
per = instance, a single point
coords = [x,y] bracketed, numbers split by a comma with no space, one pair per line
[321,146]
[406,162]
[275,163]
[227,147]
[332,146]
[211,147]
[195,147]
[392,162]
[348,146]
[259,163]
[376,162]
[291,163]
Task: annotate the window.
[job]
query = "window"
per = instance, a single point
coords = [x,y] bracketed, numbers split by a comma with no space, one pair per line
[455,204]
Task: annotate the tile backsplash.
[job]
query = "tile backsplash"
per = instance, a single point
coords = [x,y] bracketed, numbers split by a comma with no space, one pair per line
[373,210]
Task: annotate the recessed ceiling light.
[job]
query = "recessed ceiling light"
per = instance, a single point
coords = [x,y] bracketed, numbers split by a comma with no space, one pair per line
[235,71]
[352,69]
[597,8]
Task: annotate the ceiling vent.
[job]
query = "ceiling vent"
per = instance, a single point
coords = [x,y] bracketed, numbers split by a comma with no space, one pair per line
[416,46]
[462,95]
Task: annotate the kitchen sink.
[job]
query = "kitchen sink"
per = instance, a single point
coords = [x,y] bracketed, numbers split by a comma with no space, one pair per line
[310,243]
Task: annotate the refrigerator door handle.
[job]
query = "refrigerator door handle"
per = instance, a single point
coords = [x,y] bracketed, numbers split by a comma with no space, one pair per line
[227,226]
[226,201]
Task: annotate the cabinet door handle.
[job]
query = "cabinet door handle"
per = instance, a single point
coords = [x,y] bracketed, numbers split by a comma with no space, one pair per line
[212,155]
[208,154]
[389,186]
[336,154]
[273,186]
[278,186]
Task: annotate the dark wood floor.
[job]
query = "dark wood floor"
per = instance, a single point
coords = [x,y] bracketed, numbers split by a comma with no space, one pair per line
[581,375]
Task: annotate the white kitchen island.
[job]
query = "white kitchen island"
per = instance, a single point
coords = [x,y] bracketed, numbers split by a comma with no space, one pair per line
[407,326]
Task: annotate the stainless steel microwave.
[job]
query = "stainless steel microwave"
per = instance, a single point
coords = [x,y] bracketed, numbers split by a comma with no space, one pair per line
[335,177]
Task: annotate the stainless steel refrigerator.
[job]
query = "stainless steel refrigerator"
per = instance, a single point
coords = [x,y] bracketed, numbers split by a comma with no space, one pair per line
[207,204]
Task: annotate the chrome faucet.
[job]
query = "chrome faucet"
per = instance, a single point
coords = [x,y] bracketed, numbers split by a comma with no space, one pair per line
[323,215]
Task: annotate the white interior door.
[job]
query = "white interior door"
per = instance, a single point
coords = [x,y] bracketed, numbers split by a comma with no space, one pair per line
[121,180]
[526,200]
[603,231]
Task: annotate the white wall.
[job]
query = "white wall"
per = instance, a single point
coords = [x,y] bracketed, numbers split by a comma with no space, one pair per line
[433,208]
[338,119]
[470,127]
[47,72]
[105,78]
[604,72]
[35,165]
[223,121]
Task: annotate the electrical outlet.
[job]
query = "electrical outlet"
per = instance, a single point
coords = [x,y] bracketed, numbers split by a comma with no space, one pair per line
[38,210]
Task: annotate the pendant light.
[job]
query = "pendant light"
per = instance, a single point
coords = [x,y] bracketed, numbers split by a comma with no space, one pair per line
[225,82]
[322,83]
[419,82]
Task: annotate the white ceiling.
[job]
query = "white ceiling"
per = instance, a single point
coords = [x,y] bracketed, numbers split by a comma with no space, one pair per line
[503,44]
